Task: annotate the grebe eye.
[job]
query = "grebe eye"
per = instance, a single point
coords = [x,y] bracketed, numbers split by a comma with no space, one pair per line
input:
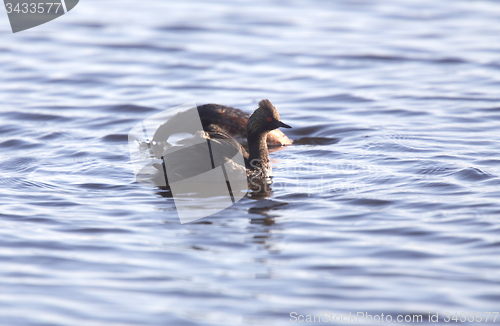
[269,119]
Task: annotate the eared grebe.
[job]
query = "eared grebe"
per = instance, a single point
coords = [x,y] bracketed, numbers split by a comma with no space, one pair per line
[261,123]
[224,127]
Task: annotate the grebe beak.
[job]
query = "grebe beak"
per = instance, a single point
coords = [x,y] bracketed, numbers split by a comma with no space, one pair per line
[281,124]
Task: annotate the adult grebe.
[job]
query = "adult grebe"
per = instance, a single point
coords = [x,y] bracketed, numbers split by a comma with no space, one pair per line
[224,126]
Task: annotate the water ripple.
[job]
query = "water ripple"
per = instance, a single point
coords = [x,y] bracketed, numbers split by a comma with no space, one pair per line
[387,202]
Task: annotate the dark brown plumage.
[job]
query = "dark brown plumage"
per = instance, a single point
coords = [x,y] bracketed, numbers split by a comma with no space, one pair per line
[234,122]
[226,126]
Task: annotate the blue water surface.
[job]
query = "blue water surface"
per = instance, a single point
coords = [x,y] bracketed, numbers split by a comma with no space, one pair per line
[387,203]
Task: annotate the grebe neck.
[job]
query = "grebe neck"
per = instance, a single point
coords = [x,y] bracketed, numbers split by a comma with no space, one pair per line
[258,154]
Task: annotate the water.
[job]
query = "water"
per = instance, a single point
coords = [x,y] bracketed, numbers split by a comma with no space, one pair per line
[388,203]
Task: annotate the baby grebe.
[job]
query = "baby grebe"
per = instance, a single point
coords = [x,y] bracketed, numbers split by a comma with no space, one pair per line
[223,127]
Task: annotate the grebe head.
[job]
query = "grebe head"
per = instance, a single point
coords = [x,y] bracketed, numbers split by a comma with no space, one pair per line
[264,119]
